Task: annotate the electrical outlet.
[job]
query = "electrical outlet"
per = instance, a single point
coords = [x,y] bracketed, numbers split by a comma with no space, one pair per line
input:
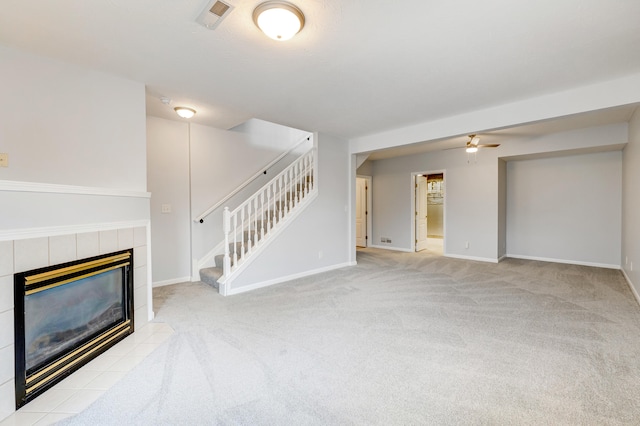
[466,244]
[165,208]
[626,260]
[320,254]
[4,159]
[631,266]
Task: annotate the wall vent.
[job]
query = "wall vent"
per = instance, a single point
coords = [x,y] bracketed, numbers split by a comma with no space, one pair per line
[214,13]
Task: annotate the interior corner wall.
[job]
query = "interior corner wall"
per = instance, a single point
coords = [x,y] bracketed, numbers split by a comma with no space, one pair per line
[318,238]
[631,204]
[566,209]
[168,182]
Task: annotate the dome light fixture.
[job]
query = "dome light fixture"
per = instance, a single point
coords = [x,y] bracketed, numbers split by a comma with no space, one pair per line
[185,112]
[279,20]
[472,149]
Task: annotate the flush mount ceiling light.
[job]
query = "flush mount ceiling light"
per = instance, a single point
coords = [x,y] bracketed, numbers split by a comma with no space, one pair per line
[185,112]
[279,20]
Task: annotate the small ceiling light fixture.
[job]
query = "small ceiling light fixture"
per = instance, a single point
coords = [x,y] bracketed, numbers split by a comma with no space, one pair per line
[472,149]
[185,112]
[279,20]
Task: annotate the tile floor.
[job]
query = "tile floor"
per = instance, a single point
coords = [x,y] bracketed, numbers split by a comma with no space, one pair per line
[79,390]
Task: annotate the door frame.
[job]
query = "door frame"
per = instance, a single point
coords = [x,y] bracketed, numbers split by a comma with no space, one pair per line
[413,208]
[369,214]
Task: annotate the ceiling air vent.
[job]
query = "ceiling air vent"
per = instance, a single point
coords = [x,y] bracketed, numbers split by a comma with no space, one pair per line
[214,13]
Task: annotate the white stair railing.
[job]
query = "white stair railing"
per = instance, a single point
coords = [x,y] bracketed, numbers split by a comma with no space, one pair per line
[252,222]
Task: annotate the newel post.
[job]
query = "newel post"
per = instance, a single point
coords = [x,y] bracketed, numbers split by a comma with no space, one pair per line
[226,225]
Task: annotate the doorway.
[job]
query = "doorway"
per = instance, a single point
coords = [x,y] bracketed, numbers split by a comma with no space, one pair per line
[363,209]
[429,196]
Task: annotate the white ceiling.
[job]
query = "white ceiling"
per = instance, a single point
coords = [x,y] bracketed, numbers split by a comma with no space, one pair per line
[357,68]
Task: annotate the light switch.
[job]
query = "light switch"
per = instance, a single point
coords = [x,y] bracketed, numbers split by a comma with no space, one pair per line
[166,208]
[4,159]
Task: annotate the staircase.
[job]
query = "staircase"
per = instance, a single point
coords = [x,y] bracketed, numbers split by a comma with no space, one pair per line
[250,227]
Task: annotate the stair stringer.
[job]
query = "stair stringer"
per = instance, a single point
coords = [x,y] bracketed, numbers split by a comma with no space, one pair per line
[226,280]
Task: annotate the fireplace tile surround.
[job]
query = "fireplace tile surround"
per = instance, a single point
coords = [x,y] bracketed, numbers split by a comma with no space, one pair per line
[25,254]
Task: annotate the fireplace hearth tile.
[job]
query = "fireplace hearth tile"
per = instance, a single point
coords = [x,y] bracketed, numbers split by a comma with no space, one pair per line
[104,361]
[6,328]
[6,258]
[108,241]
[7,399]
[140,256]
[6,293]
[139,296]
[105,380]
[7,361]
[144,349]
[48,401]
[125,238]
[122,348]
[22,419]
[140,277]
[139,236]
[78,380]
[126,363]
[62,248]
[88,244]
[53,418]
[79,401]
[30,254]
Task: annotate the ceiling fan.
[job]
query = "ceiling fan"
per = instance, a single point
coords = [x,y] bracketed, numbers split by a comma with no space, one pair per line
[473,144]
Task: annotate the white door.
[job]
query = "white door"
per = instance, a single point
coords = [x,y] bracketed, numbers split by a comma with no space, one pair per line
[361,212]
[421,213]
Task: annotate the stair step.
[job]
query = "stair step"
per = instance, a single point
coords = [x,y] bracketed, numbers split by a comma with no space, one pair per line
[210,276]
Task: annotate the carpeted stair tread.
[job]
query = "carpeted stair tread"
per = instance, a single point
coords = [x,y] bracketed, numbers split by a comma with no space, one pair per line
[210,276]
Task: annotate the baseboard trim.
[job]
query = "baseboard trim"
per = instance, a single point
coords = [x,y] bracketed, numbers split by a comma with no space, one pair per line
[53,231]
[18,186]
[565,261]
[392,248]
[474,258]
[501,258]
[280,280]
[633,289]
[172,281]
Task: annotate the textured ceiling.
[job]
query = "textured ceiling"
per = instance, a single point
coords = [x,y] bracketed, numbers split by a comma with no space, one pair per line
[357,68]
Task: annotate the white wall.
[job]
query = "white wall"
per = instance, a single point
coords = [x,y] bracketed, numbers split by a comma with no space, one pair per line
[68,125]
[631,204]
[318,239]
[472,190]
[566,209]
[470,201]
[168,182]
[76,181]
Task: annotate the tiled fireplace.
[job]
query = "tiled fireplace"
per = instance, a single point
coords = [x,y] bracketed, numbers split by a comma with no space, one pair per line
[22,255]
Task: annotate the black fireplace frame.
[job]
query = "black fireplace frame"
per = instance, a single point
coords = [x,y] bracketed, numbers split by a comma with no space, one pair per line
[29,385]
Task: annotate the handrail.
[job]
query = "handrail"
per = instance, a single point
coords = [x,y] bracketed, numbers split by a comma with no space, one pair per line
[262,171]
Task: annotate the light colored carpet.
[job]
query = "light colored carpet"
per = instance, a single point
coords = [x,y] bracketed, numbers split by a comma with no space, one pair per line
[398,339]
